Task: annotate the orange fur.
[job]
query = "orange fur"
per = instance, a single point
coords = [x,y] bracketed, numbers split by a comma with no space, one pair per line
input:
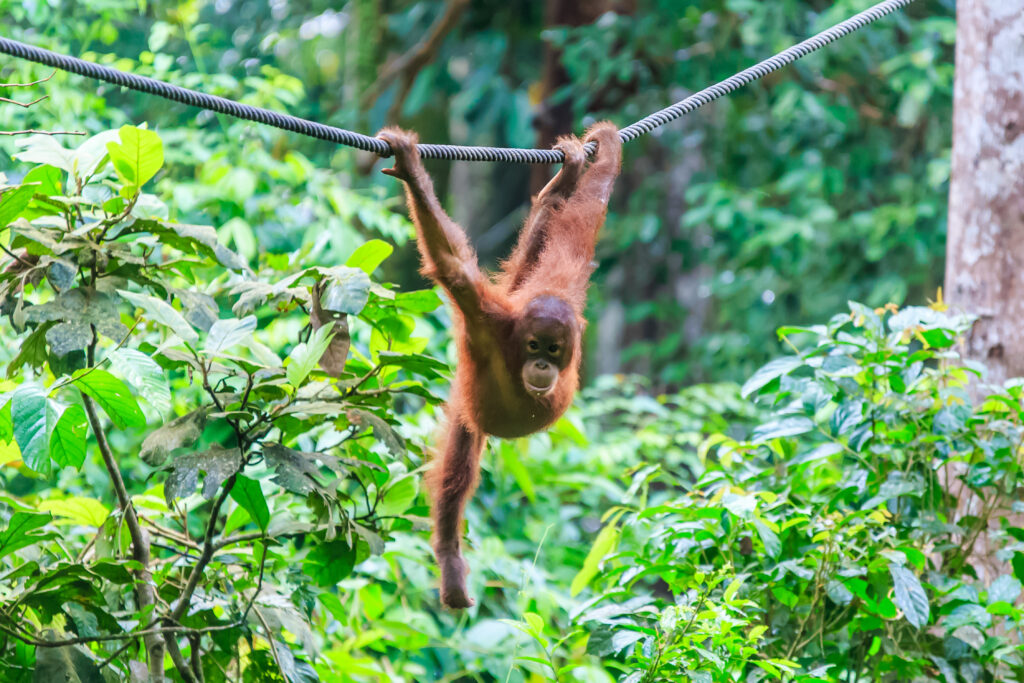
[541,290]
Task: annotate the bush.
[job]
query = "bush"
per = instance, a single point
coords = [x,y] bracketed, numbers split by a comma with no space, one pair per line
[244,427]
[826,545]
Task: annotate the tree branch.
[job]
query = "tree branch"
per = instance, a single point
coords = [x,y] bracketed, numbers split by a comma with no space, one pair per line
[32,131]
[407,66]
[144,590]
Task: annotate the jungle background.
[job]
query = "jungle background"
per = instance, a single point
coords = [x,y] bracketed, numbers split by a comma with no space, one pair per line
[724,502]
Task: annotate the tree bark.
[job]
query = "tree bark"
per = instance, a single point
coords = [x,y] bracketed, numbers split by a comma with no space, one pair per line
[557,118]
[985,248]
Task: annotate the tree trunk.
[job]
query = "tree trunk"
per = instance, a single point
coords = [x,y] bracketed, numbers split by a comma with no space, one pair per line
[985,248]
[557,118]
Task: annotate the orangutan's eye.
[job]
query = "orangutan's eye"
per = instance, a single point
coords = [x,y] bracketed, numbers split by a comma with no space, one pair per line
[533,345]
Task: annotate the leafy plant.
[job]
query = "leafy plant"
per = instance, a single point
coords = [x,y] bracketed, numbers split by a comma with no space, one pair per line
[244,419]
[867,525]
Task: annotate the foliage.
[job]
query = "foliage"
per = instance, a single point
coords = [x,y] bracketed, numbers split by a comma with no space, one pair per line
[260,404]
[738,219]
[865,530]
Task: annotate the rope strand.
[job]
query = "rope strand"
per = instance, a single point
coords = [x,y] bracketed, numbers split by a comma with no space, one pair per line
[435,151]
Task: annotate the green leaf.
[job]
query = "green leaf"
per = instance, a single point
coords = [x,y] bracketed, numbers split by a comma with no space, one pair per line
[249,495]
[13,201]
[67,440]
[772,546]
[112,395]
[227,333]
[162,312]
[420,301]
[78,509]
[398,497]
[909,595]
[370,255]
[6,423]
[330,562]
[18,533]
[348,292]
[776,429]
[137,158]
[773,369]
[535,622]
[603,544]
[305,356]
[145,375]
[28,413]
[1004,589]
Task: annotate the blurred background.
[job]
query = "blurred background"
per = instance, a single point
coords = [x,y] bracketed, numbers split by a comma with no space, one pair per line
[824,182]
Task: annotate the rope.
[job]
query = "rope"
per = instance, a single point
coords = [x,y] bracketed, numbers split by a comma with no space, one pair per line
[435,151]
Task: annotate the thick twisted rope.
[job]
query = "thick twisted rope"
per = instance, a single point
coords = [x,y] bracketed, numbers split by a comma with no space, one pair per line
[435,151]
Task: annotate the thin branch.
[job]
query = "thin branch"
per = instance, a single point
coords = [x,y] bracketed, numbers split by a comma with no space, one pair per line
[29,85]
[208,550]
[407,66]
[144,589]
[16,257]
[29,639]
[33,131]
[270,639]
[179,659]
[26,105]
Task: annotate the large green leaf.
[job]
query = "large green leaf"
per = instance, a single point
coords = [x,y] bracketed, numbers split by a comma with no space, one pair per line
[28,413]
[144,375]
[249,495]
[163,313]
[369,255]
[137,157]
[21,531]
[67,440]
[909,595]
[112,395]
[603,544]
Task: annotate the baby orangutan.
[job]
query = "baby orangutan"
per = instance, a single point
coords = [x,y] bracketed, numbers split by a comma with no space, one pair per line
[519,334]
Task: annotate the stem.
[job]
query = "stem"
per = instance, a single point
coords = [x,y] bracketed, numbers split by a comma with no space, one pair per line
[144,591]
[209,547]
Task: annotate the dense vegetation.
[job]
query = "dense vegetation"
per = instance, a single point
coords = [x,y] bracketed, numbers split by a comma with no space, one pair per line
[211,320]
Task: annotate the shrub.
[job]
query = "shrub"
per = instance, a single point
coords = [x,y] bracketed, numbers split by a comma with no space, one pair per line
[827,544]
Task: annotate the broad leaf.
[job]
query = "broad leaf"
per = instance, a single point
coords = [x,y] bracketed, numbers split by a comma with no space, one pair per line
[112,395]
[78,509]
[28,413]
[163,313]
[909,595]
[143,373]
[137,157]
[770,371]
[21,531]
[249,495]
[369,255]
[227,333]
[67,440]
